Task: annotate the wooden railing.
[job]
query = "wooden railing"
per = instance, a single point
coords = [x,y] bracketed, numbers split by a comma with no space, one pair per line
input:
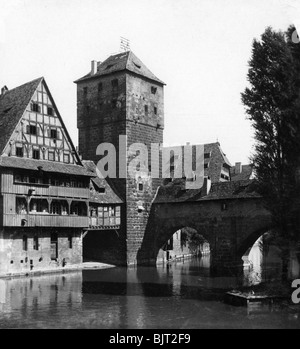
[45,220]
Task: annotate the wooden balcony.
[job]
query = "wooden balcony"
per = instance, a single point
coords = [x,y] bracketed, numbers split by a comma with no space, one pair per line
[45,220]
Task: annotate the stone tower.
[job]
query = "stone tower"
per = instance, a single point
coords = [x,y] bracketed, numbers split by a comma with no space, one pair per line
[121,96]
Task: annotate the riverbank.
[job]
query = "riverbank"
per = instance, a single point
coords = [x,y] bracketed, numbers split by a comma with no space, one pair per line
[58,270]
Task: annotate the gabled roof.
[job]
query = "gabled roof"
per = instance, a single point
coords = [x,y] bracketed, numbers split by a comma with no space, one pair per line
[246,173]
[12,106]
[122,61]
[208,147]
[107,195]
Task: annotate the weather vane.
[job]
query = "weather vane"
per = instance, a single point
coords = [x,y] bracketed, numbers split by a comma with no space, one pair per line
[124,44]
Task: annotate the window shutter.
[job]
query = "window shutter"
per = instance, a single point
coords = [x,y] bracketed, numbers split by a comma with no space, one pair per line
[39,108]
[58,134]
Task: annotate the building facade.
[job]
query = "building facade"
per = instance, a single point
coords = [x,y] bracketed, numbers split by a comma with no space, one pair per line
[44,193]
[121,96]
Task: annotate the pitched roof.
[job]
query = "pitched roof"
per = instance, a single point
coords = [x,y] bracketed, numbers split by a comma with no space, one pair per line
[47,166]
[12,105]
[122,61]
[208,147]
[243,175]
[175,192]
[104,196]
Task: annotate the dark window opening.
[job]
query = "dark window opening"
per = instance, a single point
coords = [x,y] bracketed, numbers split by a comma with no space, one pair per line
[224,206]
[53,134]
[70,241]
[19,151]
[146,109]
[114,83]
[35,243]
[36,154]
[85,90]
[155,110]
[50,111]
[153,90]
[206,155]
[114,103]
[206,165]
[25,243]
[35,107]
[141,186]
[100,87]
[32,130]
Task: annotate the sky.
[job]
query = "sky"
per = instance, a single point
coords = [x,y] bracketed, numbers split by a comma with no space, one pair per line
[199,48]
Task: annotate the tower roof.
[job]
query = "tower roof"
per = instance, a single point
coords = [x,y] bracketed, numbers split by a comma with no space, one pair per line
[122,61]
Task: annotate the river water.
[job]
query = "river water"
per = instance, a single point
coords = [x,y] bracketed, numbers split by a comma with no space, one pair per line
[180,295]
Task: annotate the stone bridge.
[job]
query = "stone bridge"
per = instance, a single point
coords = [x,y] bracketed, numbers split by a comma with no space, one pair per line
[229,215]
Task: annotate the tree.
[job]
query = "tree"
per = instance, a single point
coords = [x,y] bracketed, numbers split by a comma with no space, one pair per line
[273,106]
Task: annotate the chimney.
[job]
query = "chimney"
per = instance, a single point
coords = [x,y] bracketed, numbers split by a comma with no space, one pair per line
[94,67]
[238,168]
[4,89]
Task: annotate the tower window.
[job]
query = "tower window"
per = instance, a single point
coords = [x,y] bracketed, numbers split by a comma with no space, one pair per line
[36,243]
[100,87]
[206,155]
[153,90]
[141,187]
[19,151]
[25,243]
[155,110]
[36,154]
[85,90]
[70,241]
[114,83]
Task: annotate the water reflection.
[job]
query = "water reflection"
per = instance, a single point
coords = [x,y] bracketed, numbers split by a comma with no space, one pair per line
[180,295]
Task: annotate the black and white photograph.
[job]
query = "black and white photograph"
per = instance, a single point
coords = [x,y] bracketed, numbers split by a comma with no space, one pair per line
[150,167]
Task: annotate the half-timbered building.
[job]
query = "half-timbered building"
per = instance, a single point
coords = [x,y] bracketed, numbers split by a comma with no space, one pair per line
[45,189]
